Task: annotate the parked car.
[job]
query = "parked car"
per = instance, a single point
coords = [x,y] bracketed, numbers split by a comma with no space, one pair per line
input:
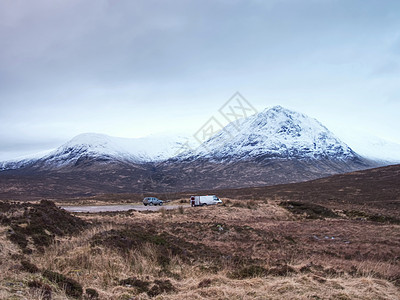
[204,200]
[152,201]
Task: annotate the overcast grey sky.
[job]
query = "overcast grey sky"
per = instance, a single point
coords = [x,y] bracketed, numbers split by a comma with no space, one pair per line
[133,68]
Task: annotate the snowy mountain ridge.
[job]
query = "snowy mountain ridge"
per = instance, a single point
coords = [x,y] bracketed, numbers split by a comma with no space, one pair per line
[276,132]
[106,148]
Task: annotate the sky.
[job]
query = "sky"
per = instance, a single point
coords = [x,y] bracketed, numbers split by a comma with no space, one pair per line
[131,68]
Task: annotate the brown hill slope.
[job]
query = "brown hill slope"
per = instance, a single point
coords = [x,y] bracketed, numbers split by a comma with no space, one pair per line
[98,177]
[373,190]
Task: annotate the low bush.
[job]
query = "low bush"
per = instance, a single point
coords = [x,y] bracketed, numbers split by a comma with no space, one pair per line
[91,294]
[158,287]
[283,270]
[249,272]
[42,222]
[161,286]
[354,214]
[140,285]
[29,267]
[18,238]
[45,289]
[310,210]
[72,287]
[258,271]
[204,283]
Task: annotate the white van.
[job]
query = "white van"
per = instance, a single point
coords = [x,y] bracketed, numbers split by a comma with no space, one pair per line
[204,200]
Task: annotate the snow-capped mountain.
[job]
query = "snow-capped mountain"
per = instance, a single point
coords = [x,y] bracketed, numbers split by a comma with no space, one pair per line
[272,147]
[274,133]
[104,148]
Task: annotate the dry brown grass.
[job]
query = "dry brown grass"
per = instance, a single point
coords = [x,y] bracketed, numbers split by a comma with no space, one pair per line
[260,233]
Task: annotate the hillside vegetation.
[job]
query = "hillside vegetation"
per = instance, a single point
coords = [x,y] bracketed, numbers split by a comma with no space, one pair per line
[255,249]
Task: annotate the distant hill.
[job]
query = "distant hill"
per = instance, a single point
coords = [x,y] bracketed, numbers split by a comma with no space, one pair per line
[375,190]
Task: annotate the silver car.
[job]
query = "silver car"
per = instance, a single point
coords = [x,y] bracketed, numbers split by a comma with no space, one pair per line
[152,201]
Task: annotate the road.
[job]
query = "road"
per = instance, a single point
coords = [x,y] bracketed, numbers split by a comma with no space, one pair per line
[108,208]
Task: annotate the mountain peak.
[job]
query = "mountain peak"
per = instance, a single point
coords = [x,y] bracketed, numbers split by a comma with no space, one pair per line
[276,108]
[93,141]
[276,132]
[89,136]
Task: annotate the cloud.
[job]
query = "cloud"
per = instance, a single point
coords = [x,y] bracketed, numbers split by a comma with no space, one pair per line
[387,69]
[72,66]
